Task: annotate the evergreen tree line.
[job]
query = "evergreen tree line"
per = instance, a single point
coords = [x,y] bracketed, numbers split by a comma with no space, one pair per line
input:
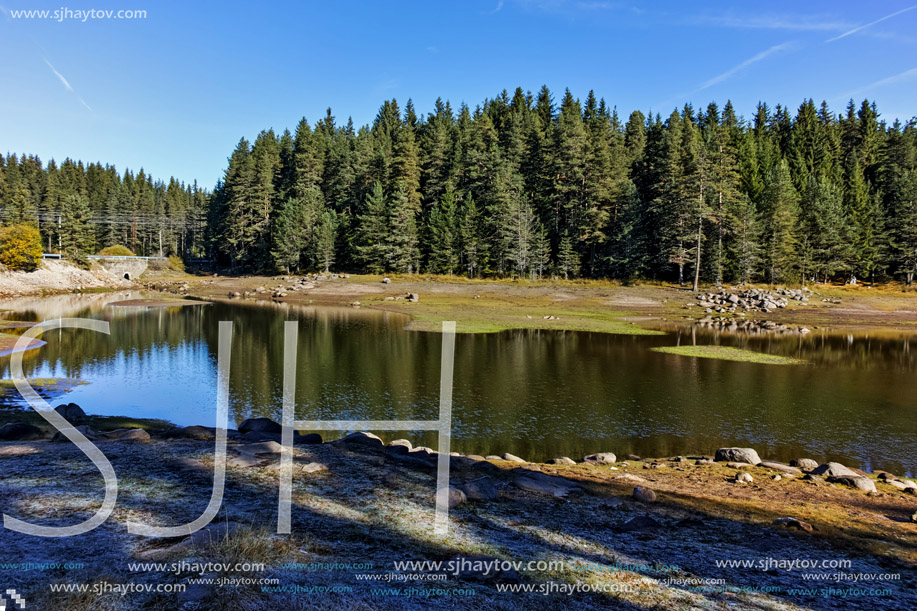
[520,186]
[79,209]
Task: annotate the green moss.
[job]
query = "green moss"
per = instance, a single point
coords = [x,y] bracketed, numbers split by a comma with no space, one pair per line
[727,353]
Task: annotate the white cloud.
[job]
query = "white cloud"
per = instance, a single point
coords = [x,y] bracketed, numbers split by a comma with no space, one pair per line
[890,80]
[869,25]
[67,85]
[791,23]
[498,8]
[745,64]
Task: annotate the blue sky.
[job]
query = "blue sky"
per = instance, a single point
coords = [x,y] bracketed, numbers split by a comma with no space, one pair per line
[174,92]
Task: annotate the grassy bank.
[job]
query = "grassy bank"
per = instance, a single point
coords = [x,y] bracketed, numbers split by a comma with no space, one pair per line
[726,353]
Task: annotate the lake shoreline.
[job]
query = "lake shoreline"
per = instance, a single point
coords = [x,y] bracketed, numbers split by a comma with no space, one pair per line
[678,511]
[496,305]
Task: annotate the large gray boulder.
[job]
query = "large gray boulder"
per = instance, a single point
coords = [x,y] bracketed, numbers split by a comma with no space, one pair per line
[481,489]
[363,439]
[834,469]
[260,425]
[71,412]
[854,481]
[806,464]
[602,458]
[746,455]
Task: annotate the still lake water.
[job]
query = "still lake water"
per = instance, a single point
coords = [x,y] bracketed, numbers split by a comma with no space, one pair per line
[537,394]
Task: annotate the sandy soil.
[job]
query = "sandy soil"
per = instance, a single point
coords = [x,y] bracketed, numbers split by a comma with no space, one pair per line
[58,276]
[369,505]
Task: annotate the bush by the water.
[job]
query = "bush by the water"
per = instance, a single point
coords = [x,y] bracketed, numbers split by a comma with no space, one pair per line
[20,247]
[116,251]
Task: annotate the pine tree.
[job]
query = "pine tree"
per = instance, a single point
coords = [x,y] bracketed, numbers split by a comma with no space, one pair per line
[443,235]
[470,238]
[823,240]
[372,232]
[401,243]
[780,212]
[567,260]
[78,238]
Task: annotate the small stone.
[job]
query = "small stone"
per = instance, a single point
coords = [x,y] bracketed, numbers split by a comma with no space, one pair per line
[454,497]
[386,281]
[738,465]
[513,458]
[563,460]
[644,494]
[704,461]
[744,478]
[314,467]
[793,523]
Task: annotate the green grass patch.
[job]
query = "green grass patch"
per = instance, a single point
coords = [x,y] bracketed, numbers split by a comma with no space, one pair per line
[490,314]
[726,353]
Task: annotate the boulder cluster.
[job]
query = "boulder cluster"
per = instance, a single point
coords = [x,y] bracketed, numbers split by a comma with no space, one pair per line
[751,326]
[292,284]
[751,300]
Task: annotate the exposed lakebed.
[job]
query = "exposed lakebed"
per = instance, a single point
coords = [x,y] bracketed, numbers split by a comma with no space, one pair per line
[534,393]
